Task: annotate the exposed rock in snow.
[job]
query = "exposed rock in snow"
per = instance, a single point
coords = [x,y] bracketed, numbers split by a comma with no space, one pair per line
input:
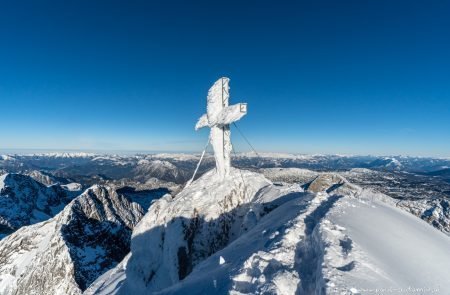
[435,211]
[65,254]
[110,281]
[73,186]
[45,178]
[312,181]
[332,183]
[24,201]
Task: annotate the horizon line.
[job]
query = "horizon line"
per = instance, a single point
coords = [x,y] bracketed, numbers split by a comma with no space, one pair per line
[31,151]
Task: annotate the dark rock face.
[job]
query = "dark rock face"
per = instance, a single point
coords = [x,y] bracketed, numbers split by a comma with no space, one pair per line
[24,201]
[98,232]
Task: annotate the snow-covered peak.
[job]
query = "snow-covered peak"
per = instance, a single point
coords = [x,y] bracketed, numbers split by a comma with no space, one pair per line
[45,178]
[158,163]
[390,163]
[7,158]
[393,162]
[201,219]
[90,236]
[24,201]
[66,155]
[102,203]
[161,169]
[175,156]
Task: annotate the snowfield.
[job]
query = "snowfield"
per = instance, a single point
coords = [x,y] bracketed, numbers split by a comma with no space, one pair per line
[387,247]
[246,235]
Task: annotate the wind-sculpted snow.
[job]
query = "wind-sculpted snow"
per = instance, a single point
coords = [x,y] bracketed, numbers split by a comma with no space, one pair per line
[334,237]
[65,254]
[24,201]
[369,245]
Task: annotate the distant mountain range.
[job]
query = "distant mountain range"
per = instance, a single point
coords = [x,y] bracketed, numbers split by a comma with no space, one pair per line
[112,224]
[177,168]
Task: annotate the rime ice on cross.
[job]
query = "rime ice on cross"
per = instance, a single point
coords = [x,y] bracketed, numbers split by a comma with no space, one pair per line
[219,115]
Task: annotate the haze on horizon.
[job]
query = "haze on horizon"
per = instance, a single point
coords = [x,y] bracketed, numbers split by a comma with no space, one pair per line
[347,77]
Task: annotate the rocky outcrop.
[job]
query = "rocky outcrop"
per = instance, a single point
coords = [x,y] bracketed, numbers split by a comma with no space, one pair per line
[436,211]
[331,183]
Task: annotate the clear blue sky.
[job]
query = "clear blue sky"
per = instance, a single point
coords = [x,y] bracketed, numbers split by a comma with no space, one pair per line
[355,77]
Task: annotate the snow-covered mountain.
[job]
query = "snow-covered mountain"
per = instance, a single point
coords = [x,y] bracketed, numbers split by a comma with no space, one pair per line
[288,175]
[75,165]
[160,169]
[24,201]
[202,219]
[386,163]
[246,235]
[46,178]
[65,254]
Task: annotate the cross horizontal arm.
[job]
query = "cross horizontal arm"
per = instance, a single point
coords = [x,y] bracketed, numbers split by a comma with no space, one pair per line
[229,115]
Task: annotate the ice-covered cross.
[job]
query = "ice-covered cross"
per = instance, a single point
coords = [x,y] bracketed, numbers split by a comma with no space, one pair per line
[219,115]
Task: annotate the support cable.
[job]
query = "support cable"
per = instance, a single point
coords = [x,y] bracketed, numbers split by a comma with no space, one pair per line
[240,172]
[199,162]
[248,142]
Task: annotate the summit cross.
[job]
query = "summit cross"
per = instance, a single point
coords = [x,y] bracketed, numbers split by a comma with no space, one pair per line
[219,115]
